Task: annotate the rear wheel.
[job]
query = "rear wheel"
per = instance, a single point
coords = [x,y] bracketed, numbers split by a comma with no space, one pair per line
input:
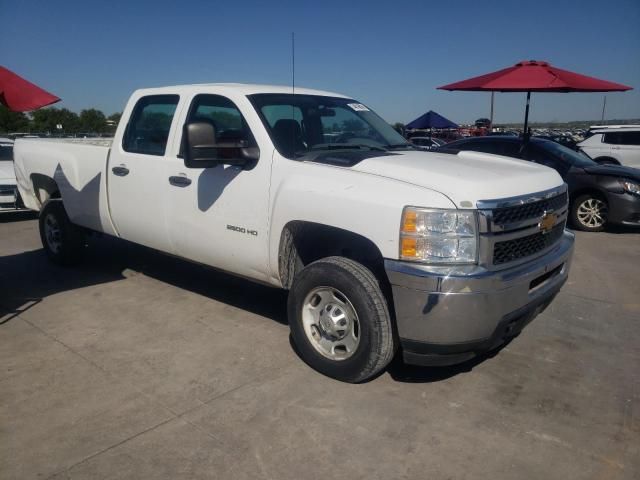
[589,213]
[340,321]
[63,241]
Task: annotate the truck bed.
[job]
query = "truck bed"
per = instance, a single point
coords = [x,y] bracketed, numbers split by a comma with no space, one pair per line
[75,168]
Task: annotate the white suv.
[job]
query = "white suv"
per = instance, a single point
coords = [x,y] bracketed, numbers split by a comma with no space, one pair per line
[618,146]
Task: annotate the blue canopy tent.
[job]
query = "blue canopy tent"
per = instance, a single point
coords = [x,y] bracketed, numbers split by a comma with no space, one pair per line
[430,120]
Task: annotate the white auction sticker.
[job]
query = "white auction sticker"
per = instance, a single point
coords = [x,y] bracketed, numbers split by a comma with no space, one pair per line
[358,107]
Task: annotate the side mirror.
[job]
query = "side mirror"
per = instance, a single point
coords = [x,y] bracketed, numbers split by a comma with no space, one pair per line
[202,151]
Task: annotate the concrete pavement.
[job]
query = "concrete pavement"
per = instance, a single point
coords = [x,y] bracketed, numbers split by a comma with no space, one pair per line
[138,365]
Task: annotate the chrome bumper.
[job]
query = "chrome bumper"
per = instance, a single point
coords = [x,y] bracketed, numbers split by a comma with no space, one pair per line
[464,310]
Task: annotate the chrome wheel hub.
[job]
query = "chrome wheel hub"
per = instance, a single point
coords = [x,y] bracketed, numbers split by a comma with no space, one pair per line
[331,323]
[52,233]
[592,213]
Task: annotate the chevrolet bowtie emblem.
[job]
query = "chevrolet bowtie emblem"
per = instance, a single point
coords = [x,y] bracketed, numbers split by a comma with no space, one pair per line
[547,222]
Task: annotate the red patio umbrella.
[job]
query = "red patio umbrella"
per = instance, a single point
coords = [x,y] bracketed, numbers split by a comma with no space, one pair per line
[19,95]
[534,76]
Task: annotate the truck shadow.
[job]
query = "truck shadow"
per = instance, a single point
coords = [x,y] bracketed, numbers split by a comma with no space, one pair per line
[29,277]
[17,216]
[216,285]
[401,372]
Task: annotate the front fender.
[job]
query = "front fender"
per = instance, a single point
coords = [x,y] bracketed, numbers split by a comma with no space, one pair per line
[362,203]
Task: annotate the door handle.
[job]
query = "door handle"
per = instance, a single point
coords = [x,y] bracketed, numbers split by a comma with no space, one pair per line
[120,171]
[179,181]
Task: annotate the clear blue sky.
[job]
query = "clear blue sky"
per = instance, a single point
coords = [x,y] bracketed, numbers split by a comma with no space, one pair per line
[391,54]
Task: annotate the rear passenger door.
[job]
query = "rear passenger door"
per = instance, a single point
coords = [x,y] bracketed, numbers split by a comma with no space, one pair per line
[137,172]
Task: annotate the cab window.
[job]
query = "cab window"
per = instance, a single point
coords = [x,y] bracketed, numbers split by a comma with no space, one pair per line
[148,128]
[229,124]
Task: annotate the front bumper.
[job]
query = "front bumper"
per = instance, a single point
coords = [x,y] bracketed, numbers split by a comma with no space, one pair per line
[624,209]
[9,197]
[448,315]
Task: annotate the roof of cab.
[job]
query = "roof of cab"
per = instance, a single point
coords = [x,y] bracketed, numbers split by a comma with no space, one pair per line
[242,88]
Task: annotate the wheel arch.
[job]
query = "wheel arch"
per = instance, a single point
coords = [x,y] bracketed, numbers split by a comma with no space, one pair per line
[303,242]
[590,190]
[605,159]
[45,188]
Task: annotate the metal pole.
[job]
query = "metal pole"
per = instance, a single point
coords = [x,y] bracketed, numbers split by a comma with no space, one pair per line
[604,106]
[525,134]
[491,116]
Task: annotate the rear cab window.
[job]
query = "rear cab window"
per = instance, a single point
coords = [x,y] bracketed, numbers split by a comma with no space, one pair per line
[148,128]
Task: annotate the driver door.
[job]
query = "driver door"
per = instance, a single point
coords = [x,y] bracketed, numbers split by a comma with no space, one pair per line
[218,216]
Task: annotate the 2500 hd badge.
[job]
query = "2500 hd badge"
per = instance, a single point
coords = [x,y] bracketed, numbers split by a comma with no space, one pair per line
[242,230]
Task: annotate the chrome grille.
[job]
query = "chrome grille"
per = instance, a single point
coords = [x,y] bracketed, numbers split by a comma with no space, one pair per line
[7,189]
[512,229]
[512,250]
[504,216]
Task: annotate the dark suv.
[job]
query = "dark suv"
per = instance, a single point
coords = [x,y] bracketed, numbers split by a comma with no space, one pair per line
[599,194]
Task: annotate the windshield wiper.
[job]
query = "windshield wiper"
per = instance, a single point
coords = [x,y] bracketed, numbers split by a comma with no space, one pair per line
[346,146]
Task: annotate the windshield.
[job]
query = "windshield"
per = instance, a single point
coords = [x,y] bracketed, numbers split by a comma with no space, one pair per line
[300,124]
[565,154]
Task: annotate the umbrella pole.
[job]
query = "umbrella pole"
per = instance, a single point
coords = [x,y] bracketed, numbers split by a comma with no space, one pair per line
[491,117]
[525,134]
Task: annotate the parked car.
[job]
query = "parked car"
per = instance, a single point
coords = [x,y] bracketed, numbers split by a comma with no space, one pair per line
[615,146]
[599,194]
[565,140]
[9,196]
[426,143]
[380,246]
[504,133]
[593,128]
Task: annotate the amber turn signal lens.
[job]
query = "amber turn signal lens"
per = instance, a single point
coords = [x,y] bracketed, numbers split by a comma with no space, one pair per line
[409,247]
[409,221]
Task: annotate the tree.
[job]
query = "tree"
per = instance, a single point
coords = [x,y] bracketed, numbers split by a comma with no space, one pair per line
[12,121]
[112,122]
[93,120]
[399,127]
[115,118]
[46,120]
[353,125]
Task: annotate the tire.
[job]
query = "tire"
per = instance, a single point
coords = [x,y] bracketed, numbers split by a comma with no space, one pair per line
[63,242]
[339,320]
[589,213]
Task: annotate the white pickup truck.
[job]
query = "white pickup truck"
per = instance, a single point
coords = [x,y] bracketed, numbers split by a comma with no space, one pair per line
[443,255]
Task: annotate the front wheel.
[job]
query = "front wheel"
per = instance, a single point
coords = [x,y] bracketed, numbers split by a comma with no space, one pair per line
[340,321]
[589,213]
[63,241]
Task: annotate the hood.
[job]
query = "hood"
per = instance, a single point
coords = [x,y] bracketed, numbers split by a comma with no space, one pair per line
[466,177]
[7,174]
[614,171]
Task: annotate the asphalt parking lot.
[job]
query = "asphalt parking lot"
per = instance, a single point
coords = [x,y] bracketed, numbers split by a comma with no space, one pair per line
[138,365]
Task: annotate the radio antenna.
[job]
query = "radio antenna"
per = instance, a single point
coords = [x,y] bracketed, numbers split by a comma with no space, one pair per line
[293,63]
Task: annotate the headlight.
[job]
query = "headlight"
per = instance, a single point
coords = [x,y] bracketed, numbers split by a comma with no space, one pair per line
[630,187]
[439,236]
